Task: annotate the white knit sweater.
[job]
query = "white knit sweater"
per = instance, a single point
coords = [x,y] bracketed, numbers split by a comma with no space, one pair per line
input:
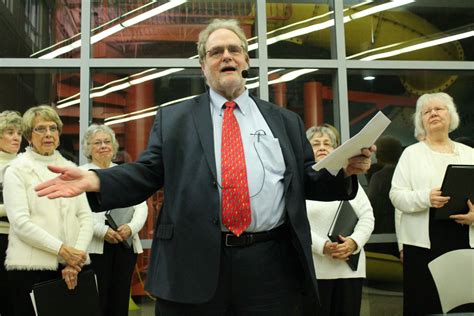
[321,215]
[100,229]
[419,170]
[40,226]
[5,159]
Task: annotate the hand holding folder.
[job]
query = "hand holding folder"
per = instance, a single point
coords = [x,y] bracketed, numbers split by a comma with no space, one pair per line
[343,224]
[118,217]
[53,298]
[458,184]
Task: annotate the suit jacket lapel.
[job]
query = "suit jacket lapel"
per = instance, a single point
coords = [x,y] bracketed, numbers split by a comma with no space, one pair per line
[201,113]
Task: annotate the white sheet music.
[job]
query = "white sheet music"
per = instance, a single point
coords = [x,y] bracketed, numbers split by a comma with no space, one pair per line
[365,138]
[452,273]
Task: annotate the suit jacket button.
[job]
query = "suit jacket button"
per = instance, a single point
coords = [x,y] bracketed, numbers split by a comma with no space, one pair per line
[214,183]
[214,220]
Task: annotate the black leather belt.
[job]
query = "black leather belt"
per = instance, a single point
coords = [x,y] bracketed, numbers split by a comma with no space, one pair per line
[247,239]
[4,219]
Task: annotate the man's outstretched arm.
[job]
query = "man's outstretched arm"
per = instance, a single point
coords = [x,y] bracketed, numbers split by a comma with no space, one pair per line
[71,181]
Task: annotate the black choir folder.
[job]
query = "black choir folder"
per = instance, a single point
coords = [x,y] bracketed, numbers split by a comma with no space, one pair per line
[53,298]
[343,224]
[119,216]
[458,183]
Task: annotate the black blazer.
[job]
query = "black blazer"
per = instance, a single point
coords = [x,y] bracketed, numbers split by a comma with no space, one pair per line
[180,157]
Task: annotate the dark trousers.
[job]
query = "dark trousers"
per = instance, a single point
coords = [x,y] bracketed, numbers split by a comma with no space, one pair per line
[264,278]
[4,303]
[340,297]
[114,269]
[20,284]
[420,296]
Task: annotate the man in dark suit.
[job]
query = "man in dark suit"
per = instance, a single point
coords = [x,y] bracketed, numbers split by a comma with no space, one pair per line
[201,264]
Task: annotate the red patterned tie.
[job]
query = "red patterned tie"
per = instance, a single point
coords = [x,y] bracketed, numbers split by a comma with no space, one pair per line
[235,189]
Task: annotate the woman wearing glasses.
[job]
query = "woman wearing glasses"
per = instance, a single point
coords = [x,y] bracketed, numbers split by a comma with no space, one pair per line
[10,141]
[48,238]
[340,287]
[112,262]
[416,189]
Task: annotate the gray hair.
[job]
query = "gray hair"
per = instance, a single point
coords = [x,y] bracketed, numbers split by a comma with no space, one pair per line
[43,111]
[325,129]
[444,98]
[91,132]
[10,119]
[216,24]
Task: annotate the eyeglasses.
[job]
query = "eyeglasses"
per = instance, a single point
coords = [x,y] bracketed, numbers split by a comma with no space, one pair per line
[320,144]
[99,143]
[44,129]
[436,109]
[218,51]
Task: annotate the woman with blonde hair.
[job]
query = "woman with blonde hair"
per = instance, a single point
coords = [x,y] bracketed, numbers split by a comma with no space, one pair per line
[48,238]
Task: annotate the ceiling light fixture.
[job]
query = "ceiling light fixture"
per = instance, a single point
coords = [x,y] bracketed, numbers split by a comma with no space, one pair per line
[419,46]
[138,114]
[292,75]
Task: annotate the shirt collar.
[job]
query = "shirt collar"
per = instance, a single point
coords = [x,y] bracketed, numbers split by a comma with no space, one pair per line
[217,101]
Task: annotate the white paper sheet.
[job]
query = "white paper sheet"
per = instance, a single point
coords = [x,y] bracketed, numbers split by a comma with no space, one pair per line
[365,138]
[33,301]
[453,274]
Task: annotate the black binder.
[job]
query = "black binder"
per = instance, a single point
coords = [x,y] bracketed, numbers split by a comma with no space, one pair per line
[118,217]
[53,298]
[458,183]
[343,224]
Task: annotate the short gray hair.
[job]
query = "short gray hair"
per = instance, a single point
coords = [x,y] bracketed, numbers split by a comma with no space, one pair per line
[325,129]
[91,131]
[216,24]
[10,119]
[444,98]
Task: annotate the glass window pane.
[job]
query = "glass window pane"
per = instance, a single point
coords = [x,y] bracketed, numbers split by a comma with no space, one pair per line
[386,90]
[21,89]
[167,29]
[127,100]
[306,91]
[299,29]
[40,29]
[409,30]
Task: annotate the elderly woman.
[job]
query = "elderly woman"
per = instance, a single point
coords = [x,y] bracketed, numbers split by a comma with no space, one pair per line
[340,287]
[416,189]
[10,140]
[112,262]
[48,238]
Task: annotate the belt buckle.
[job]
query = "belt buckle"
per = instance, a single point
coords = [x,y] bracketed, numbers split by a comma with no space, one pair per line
[232,240]
[227,239]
